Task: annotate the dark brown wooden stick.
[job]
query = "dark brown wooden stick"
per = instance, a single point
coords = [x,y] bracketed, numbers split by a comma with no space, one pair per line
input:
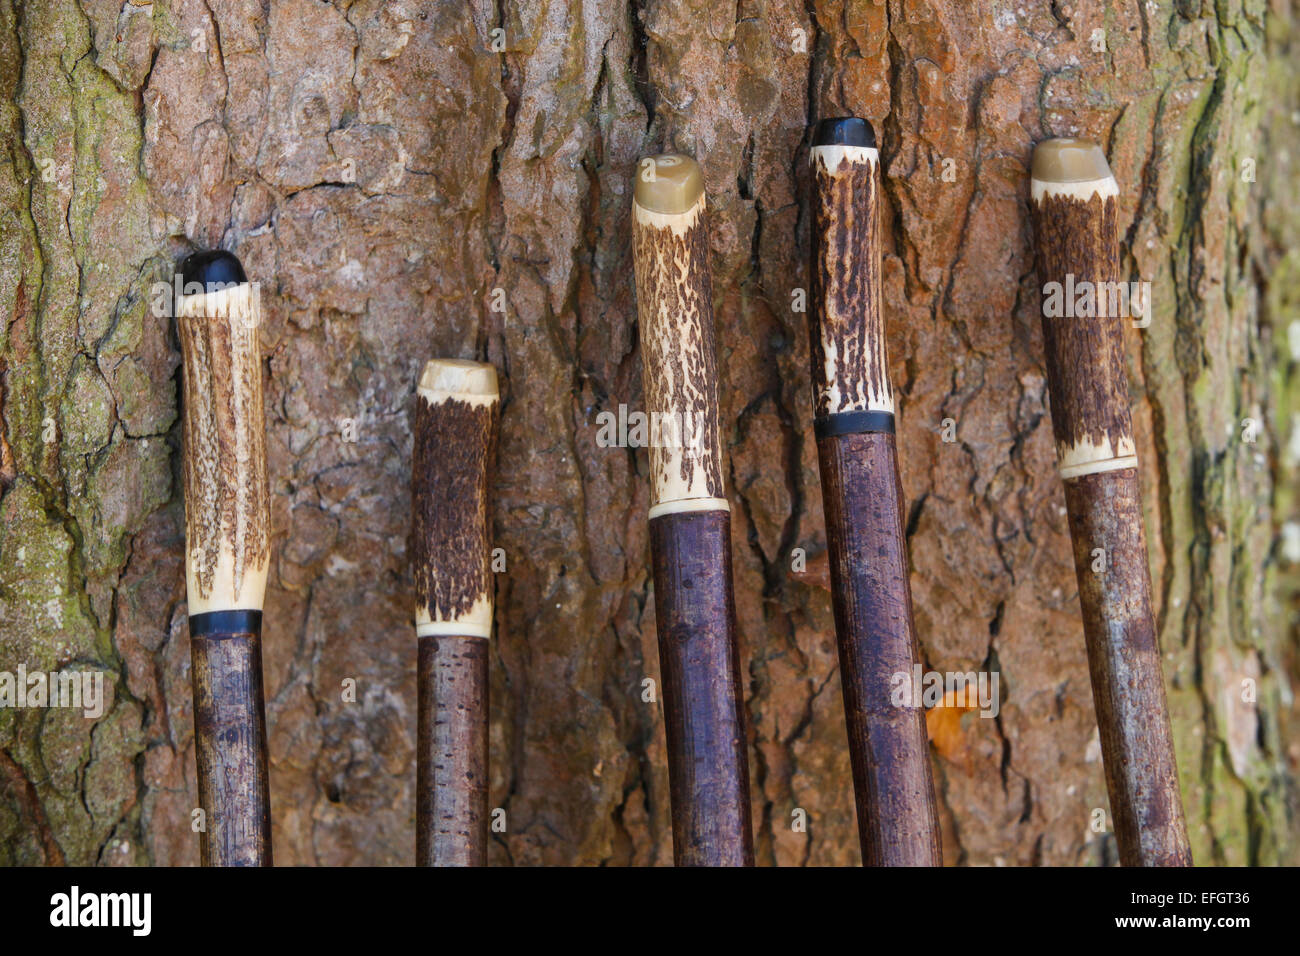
[708,771]
[898,823]
[455,438]
[230,739]
[451,820]
[1074,210]
[227,534]
[690,520]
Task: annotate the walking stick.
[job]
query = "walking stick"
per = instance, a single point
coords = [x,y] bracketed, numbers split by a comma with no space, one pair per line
[227,554]
[898,824]
[1074,207]
[690,519]
[455,438]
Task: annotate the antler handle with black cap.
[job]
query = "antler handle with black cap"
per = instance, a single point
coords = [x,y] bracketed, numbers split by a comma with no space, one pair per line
[898,824]
[228,553]
[1074,200]
[690,519]
[455,437]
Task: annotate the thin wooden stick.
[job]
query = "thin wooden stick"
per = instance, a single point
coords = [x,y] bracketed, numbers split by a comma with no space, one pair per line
[898,824]
[228,552]
[455,439]
[690,519]
[1074,200]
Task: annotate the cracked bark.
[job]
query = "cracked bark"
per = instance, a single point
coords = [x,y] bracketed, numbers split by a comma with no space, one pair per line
[401,190]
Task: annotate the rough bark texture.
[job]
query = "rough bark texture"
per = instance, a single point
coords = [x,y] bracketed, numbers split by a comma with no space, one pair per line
[403,190]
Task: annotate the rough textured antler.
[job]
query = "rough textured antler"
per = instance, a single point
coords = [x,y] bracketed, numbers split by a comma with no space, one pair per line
[690,519]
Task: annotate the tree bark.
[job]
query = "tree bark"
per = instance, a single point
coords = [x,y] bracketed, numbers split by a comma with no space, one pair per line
[411,180]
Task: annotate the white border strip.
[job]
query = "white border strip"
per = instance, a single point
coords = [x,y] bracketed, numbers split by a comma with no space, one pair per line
[453,629]
[829,157]
[1083,190]
[678,222]
[683,505]
[1095,467]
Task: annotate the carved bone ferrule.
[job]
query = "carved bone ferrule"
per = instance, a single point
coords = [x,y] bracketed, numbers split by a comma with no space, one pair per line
[456,416]
[679,363]
[849,370]
[1074,206]
[227,514]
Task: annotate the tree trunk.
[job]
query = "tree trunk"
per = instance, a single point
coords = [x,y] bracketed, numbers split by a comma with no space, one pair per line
[410,180]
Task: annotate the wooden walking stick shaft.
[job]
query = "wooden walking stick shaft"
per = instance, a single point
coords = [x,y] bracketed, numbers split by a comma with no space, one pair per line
[1074,209]
[690,519]
[455,439]
[227,535]
[897,820]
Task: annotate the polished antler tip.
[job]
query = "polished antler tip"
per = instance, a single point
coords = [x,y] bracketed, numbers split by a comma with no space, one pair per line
[1069,160]
[844,131]
[669,184]
[213,270]
[444,377]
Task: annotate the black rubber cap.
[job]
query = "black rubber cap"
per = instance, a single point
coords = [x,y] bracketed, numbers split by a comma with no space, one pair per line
[215,270]
[844,131]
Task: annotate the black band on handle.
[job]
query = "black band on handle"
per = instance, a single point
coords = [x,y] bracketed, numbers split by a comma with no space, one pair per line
[844,131]
[225,622]
[213,270]
[854,423]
